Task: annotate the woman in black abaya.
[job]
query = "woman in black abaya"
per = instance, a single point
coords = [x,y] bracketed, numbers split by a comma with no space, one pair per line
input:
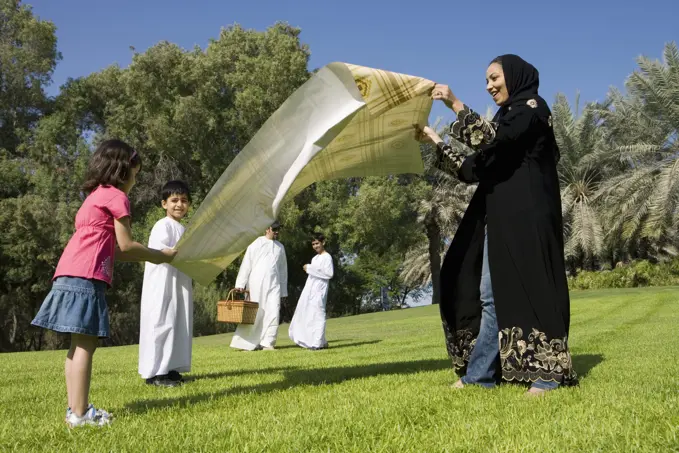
[504,296]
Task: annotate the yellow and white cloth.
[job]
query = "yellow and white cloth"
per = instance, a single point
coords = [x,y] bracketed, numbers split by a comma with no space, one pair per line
[345,121]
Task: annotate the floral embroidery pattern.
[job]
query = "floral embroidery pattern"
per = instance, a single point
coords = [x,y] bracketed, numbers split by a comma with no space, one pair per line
[532,103]
[471,129]
[535,357]
[448,160]
[524,360]
[459,345]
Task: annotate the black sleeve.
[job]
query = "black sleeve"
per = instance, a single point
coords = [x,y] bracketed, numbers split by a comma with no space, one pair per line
[468,171]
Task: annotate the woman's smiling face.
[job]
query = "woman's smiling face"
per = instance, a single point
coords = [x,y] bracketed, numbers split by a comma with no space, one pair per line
[495,84]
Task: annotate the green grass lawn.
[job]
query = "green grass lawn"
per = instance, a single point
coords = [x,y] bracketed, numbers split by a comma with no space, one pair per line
[382,386]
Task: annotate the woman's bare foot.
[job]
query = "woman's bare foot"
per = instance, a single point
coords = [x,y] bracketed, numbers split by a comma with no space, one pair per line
[533,391]
[458,385]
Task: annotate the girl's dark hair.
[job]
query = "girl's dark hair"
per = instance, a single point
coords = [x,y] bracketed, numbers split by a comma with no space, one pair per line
[497,60]
[110,165]
[317,237]
[175,188]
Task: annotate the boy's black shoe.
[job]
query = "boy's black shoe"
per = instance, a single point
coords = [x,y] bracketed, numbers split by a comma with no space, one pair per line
[162,381]
[175,376]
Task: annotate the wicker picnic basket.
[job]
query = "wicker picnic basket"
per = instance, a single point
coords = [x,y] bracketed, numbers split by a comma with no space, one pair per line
[237,311]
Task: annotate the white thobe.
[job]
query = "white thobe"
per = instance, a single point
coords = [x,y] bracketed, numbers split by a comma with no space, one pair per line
[166,324]
[307,328]
[264,272]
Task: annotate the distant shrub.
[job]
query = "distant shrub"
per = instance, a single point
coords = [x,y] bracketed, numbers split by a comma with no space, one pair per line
[635,274]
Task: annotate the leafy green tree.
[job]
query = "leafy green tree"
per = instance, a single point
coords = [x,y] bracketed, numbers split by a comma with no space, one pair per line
[28,56]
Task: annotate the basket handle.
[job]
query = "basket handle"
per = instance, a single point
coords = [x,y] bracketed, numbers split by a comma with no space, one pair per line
[233,291]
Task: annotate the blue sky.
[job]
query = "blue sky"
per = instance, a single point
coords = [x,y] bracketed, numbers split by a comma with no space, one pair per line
[577,45]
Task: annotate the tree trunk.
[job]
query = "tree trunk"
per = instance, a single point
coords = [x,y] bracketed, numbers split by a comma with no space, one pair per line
[403,298]
[434,237]
[12,336]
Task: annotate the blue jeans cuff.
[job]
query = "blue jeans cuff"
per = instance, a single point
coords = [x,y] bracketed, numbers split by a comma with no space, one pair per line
[545,385]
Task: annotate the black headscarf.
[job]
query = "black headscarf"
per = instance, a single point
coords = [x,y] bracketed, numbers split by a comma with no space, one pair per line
[522,81]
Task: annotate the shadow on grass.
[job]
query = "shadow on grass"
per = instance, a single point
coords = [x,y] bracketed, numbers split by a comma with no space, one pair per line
[333,344]
[293,378]
[232,373]
[584,363]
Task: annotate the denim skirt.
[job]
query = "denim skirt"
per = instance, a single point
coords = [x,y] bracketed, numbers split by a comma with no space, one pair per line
[75,305]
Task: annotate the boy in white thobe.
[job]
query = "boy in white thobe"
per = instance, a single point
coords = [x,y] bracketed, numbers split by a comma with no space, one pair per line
[166,324]
[264,272]
[307,328]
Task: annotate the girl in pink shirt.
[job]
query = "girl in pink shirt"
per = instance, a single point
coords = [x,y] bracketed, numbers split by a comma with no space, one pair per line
[76,304]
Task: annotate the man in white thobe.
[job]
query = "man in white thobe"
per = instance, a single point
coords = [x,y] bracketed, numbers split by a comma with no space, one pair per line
[264,272]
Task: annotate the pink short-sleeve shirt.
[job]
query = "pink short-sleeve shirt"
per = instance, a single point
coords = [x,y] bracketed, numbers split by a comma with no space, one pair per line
[90,252]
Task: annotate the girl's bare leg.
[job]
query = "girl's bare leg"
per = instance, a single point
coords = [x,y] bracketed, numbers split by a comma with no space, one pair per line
[79,371]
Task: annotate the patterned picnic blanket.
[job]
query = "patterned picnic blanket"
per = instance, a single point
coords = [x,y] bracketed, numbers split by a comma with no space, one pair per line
[345,121]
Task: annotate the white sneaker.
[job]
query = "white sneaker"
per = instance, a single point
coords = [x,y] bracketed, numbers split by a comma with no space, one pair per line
[93,416]
[268,348]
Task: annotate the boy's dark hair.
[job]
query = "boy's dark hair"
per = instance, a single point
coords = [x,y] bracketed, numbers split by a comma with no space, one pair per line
[110,165]
[175,188]
[317,237]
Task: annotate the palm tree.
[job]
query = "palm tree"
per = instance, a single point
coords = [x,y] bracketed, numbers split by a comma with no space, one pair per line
[580,138]
[643,128]
[439,213]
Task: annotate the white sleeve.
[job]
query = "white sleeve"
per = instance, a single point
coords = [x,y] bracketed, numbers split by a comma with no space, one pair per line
[245,268]
[283,272]
[161,235]
[322,268]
